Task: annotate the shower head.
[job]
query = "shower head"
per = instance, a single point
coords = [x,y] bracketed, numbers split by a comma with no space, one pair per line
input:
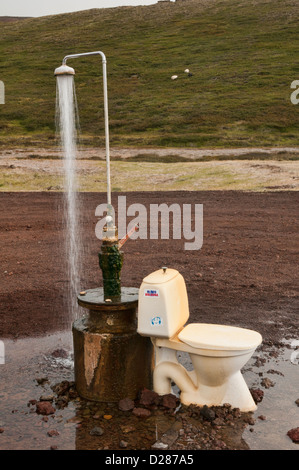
[64,70]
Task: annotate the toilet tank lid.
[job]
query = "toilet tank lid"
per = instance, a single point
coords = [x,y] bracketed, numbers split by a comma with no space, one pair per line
[161,275]
[219,337]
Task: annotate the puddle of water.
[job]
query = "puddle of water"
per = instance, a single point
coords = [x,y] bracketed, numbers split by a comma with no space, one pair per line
[278,405]
[78,424]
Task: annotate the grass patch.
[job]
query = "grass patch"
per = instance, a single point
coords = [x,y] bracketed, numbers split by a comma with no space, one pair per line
[241,55]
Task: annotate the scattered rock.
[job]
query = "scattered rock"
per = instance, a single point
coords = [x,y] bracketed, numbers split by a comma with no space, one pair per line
[169,401]
[46,398]
[97,431]
[65,392]
[1,430]
[32,403]
[262,417]
[267,383]
[141,412]
[62,388]
[44,408]
[53,433]
[297,402]
[294,435]
[249,420]
[207,413]
[148,397]
[257,394]
[60,353]
[126,404]
[123,444]
[127,429]
[159,446]
[42,380]
[107,417]
[75,419]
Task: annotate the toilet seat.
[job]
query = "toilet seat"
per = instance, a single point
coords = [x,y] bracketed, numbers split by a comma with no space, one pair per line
[219,337]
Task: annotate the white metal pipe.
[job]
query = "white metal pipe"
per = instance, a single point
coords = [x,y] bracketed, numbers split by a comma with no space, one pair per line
[106,116]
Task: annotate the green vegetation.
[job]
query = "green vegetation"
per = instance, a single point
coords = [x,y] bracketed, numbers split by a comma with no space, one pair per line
[132,176]
[242,54]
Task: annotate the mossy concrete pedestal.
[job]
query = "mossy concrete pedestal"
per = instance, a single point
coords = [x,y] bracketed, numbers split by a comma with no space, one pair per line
[112,361]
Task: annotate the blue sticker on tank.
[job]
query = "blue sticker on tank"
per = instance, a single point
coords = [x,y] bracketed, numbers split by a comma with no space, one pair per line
[156,321]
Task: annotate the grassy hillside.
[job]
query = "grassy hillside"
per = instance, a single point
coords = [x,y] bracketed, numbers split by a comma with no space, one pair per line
[242,54]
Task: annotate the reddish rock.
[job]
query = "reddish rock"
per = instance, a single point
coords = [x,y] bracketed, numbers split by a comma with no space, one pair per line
[148,397]
[169,401]
[126,404]
[294,435]
[32,402]
[53,433]
[141,412]
[60,353]
[44,408]
[257,394]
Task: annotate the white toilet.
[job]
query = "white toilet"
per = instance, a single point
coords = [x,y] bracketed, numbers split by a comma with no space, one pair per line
[217,352]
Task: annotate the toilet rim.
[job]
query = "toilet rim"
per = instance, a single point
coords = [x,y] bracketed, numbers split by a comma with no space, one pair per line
[177,345]
[216,337]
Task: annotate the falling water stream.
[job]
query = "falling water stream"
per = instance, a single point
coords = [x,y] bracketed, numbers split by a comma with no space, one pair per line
[67,123]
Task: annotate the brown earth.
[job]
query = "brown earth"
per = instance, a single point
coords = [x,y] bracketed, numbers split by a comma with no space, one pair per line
[246,273]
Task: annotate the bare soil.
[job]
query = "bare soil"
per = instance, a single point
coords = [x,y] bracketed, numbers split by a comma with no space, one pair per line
[246,273]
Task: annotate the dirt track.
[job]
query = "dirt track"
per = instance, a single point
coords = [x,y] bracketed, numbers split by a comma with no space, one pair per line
[246,273]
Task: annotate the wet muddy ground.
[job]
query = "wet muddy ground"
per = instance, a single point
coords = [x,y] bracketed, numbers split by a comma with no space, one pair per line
[35,366]
[245,275]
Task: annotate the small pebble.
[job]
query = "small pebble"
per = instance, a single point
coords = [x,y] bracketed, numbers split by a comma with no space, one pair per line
[97,431]
[53,433]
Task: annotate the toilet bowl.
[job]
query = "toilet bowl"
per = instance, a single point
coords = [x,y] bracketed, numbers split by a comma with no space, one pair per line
[217,352]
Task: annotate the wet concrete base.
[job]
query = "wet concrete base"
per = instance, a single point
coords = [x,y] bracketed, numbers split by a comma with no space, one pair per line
[33,366]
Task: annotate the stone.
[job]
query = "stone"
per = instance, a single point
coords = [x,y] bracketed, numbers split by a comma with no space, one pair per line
[60,353]
[169,401]
[123,444]
[294,435]
[148,397]
[267,383]
[44,408]
[53,433]
[46,398]
[257,394]
[207,413]
[141,412]
[159,446]
[97,431]
[126,404]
